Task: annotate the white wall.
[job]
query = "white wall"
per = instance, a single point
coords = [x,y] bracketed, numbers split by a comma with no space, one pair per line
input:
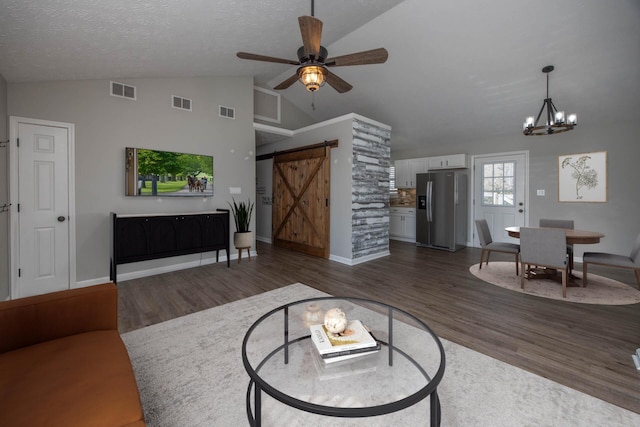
[4,194]
[617,219]
[105,125]
[291,117]
[264,198]
[340,209]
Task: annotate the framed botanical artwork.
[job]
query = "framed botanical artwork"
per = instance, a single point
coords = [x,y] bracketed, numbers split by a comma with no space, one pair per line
[582,177]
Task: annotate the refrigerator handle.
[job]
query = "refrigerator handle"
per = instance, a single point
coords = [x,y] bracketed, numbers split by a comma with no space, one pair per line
[455,190]
[429,201]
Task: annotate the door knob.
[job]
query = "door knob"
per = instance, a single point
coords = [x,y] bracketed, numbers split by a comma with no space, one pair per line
[520,210]
[61,219]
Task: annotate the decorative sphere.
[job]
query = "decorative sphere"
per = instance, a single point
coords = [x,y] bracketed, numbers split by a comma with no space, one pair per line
[335,321]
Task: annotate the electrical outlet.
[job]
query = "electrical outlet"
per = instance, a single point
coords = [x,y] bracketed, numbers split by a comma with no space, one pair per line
[540,192]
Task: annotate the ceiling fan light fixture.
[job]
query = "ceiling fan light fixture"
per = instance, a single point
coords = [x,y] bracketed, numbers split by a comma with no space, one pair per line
[556,121]
[312,76]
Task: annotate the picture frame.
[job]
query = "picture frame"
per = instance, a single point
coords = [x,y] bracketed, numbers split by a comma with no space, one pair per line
[582,177]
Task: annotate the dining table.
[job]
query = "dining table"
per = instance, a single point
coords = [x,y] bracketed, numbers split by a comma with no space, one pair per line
[574,237]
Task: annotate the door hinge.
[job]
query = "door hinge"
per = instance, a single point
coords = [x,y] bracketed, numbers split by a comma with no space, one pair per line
[326,203]
[18,207]
[18,142]
[19,272]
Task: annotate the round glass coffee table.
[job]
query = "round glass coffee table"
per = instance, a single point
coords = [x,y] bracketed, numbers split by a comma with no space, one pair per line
[282,362]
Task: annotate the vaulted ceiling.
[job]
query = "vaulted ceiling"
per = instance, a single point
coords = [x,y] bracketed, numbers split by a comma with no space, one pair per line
[457,69]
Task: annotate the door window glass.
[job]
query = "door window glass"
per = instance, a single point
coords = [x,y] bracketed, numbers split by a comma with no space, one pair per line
[498,184]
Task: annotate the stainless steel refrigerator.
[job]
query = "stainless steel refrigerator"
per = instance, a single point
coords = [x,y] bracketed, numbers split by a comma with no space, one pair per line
[441,214]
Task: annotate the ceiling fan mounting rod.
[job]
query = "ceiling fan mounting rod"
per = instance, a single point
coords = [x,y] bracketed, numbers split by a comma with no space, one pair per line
[312,3]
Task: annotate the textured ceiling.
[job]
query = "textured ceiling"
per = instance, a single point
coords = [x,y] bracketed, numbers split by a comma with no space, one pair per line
[94,39]
[457,69]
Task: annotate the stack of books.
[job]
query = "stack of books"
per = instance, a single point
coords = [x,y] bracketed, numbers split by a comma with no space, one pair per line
[355,341]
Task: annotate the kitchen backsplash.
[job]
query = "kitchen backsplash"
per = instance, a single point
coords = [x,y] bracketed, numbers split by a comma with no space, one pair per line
[405,197]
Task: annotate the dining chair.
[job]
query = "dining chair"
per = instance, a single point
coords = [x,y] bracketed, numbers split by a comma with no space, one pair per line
[561,223]
[488,245]
[545,247]
[611,260]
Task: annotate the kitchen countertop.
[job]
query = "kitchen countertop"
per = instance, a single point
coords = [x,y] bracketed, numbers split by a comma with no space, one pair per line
[402,205]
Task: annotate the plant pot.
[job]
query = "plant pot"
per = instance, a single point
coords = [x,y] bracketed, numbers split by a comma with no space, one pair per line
[243,240]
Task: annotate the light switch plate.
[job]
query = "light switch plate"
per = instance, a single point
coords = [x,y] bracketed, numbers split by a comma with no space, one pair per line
[235,190]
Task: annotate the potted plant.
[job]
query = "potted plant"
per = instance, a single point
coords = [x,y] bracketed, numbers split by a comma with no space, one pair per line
[242,238]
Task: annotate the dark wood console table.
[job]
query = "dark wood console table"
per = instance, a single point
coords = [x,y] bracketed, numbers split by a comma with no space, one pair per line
[137,238]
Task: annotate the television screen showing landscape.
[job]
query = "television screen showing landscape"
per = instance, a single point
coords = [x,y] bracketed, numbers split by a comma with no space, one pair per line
[168,174]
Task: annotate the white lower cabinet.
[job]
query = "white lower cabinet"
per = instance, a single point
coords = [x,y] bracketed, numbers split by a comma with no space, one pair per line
[402,224]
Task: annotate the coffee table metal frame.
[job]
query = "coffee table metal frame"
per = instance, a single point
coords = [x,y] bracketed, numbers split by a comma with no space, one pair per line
[259,385]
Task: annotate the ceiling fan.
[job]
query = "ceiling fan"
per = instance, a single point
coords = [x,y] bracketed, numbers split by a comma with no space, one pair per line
[313,61]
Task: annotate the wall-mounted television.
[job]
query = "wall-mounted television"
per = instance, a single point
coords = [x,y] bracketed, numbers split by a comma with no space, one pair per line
[168,174]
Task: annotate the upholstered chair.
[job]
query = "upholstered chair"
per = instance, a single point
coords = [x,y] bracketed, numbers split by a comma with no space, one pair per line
[561,223]
[610,260]
[544,247]
[488,245]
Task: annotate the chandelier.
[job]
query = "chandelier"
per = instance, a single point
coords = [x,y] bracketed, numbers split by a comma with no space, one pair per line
[555,122]
[312,76]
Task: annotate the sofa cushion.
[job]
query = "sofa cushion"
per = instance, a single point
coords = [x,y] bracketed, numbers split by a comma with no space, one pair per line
[79,380]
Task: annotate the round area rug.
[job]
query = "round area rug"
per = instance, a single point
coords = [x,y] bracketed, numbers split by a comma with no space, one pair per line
[599,291]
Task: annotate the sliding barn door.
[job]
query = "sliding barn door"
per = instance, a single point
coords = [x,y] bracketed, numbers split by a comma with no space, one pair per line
[301,201]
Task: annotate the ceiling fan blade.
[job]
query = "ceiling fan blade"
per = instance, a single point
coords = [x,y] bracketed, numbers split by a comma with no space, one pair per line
[285,84]
[337,83]
[311,31]
[254,57]
[374,56]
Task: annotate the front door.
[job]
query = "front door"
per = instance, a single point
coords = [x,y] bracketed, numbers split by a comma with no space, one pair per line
[300,207]
[500,193]
[41,227]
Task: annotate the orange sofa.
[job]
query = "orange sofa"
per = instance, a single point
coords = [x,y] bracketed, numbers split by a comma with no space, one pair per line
[63,363]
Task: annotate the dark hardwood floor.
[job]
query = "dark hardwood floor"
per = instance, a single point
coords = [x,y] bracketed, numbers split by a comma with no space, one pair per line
[586,347]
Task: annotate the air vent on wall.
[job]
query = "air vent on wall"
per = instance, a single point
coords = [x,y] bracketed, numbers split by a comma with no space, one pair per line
[181,103]
[122,90]
[227,112]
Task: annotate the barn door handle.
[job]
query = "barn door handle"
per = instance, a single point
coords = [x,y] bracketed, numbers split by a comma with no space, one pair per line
[61,219]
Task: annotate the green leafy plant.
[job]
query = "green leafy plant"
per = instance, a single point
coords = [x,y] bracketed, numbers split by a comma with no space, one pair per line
[242,215]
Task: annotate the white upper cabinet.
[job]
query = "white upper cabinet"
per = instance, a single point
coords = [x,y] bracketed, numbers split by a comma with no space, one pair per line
[448,162]
[403,176]
[407,169]
[417,166]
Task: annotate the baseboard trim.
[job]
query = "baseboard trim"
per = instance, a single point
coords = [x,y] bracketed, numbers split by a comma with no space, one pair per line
[159,270]
[356,261]
[402,239]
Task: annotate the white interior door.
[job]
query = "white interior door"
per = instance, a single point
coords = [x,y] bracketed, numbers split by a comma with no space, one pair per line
[40,224]
[500,193]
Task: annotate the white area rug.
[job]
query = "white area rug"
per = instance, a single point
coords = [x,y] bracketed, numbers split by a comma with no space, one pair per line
[190,373]
[600,290]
